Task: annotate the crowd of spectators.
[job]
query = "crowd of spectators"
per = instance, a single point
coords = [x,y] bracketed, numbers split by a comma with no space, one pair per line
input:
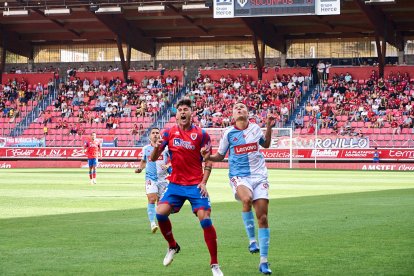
[25,70]
[236,66]
[213,99]
[343,105]
[88,103]
[373,103]
[16,94]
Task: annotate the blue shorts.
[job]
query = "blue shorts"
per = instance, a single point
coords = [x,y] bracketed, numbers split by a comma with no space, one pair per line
[93,162]
[176,195]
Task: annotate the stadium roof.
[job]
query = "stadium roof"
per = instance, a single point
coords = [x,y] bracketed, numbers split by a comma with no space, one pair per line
[143,30]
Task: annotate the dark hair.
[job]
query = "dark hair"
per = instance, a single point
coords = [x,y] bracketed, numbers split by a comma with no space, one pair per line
[154,128]
[186,102]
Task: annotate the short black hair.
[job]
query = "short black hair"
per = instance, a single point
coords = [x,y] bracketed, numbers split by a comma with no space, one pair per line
[154,128]
[186,102]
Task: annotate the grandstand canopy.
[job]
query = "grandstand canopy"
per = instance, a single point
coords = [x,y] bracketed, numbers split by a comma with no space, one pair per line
[143,30]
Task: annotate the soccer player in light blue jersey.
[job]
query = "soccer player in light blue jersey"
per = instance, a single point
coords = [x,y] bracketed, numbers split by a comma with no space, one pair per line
[155,175]
[248,175]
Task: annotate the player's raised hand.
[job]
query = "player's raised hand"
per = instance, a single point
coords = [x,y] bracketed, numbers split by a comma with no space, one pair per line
[270,120]
[158,143]
[203,189]
[205,152]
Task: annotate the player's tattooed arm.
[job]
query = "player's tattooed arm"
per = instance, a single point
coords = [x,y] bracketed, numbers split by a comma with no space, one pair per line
[207,171]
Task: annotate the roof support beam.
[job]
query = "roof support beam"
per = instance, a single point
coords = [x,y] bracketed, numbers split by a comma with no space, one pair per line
[57,23]
[128,33]
[2,63]
[122,57]
[188,19]
[259,56]
[128,57]
[383,26]
[381,52]
[266,32]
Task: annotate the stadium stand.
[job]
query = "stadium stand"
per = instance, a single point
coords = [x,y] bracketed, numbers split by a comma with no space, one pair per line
[108,107]
[121,112]
[101,102]
[18,97]
[381,108]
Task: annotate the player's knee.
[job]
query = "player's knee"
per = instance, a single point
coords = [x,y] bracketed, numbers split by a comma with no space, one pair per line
[163,209]
[152,198]
[162,217]
[206,223]
[247,201]
[262,220]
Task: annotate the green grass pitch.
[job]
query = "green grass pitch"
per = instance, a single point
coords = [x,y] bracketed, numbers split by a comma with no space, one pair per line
[52,222]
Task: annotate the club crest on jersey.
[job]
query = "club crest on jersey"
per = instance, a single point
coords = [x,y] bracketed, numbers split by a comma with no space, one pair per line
[193,136]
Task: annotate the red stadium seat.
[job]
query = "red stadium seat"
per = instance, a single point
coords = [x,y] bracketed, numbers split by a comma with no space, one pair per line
[385,130]
[368,131]
[400,137]
[383,143]
[387,137]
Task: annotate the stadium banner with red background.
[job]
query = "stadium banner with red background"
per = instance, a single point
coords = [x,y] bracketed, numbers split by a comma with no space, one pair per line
[134,154]
[30,163]
[68,153]
[322,142]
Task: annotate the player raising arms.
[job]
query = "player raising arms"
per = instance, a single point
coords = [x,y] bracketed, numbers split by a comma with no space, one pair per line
[93,150]
[248,175]
[155,175]
[187,181]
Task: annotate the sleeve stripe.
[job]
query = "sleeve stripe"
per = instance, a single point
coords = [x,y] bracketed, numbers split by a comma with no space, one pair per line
[203,136]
